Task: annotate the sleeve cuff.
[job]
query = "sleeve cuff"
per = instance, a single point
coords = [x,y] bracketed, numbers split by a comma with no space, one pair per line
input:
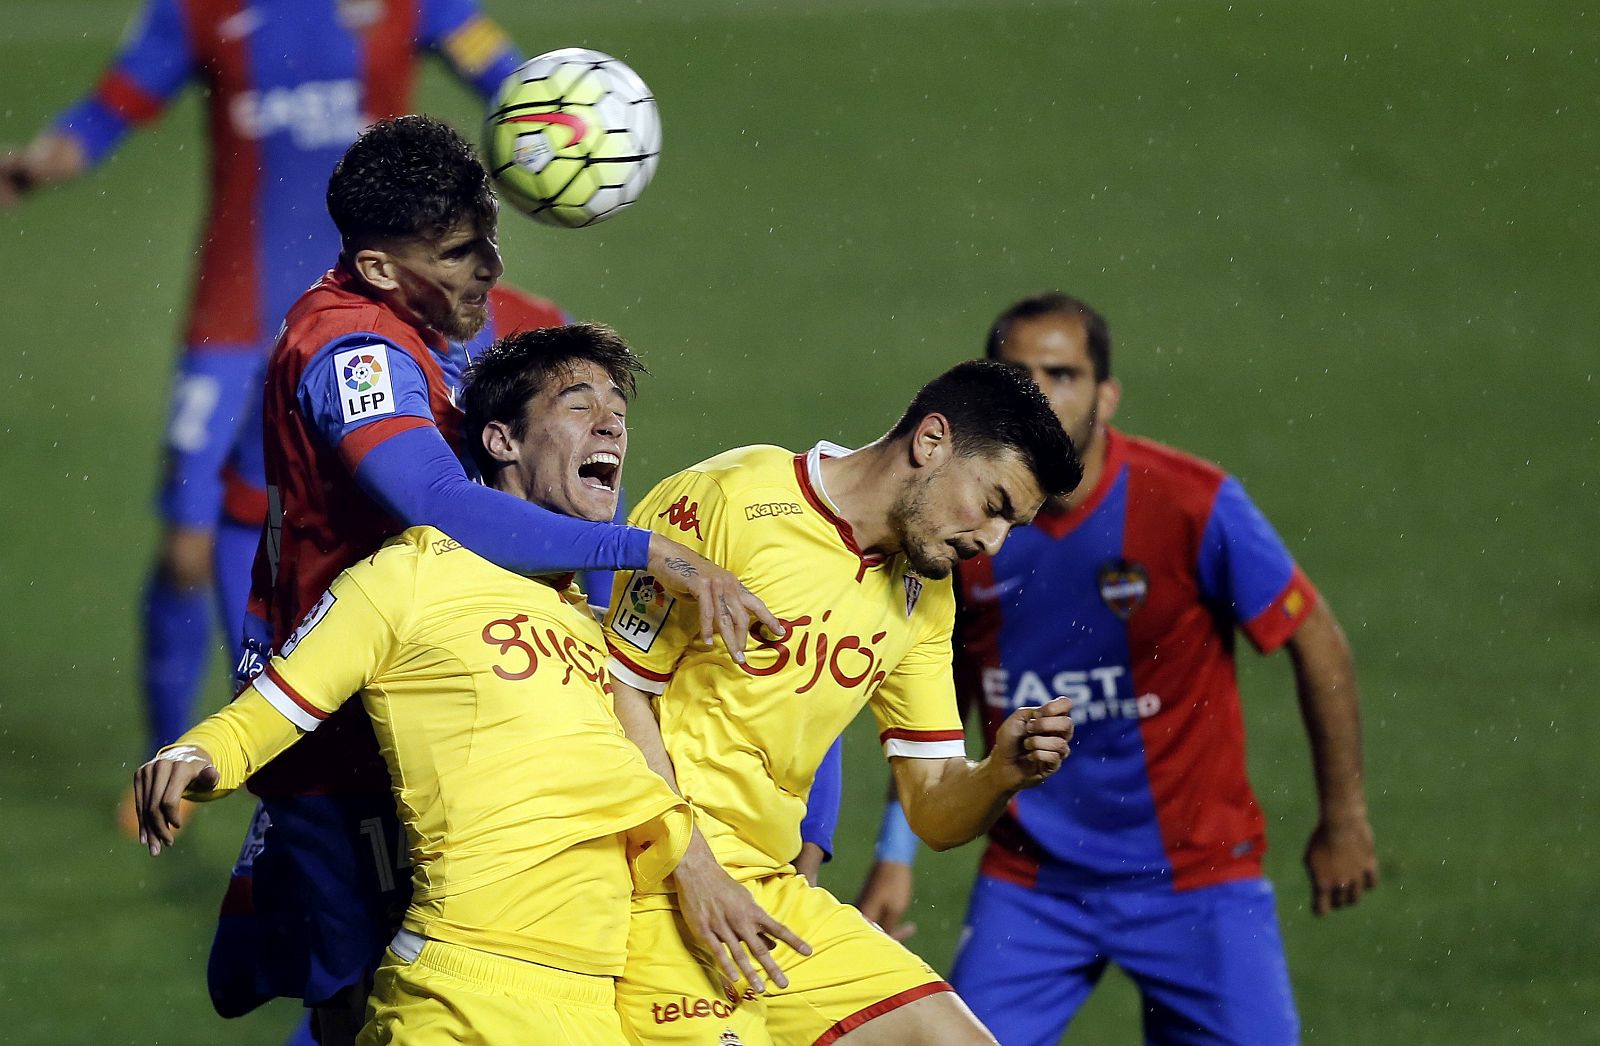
[636,676]
[1272,628]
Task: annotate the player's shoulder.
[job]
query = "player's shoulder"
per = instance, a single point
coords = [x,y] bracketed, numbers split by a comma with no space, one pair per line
[333,314]
[753,466]
[1174,475]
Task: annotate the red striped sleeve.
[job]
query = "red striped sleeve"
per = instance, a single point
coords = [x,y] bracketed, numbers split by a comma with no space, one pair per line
[360,442]
[294,695]
[900,734]
[1272,628]
[120,93]
[639,670]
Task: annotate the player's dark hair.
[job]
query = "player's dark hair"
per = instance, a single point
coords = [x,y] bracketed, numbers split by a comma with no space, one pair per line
[993,407]
[408,177]
[1054,303]
[516,368]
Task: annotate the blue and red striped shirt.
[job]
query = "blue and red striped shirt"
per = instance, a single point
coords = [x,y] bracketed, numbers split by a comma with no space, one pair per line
[1128,604]
[289,84]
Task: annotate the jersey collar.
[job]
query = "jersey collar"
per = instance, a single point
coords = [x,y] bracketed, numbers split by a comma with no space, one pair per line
[1059,524]
[808,471]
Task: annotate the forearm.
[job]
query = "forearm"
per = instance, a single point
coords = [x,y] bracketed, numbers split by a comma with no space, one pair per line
[1330,707]
[952,801]
[638,720]
[240,739]
[417,479]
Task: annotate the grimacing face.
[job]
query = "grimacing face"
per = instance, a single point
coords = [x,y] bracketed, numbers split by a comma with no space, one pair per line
[1054,350]
[445,280]
[963,507]
[570,457]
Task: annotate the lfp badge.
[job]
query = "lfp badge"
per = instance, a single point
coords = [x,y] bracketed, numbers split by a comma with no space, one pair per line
[641,611]
[1123,586]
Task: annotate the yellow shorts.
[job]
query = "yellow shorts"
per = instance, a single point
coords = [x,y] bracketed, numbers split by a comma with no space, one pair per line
[673,992]
[454,995]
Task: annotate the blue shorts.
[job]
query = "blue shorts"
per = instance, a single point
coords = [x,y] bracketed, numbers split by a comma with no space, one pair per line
[209,425]
[318,892]
[1208,963]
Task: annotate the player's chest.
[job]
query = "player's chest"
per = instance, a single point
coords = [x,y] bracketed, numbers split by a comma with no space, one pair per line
[304,71]
[847,628]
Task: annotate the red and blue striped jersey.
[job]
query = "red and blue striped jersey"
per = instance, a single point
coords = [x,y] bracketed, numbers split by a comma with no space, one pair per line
[289,84]
[339,344]
[1128,604]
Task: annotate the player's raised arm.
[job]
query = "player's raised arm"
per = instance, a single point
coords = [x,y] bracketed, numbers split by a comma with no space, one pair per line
[147,73]
[475,47]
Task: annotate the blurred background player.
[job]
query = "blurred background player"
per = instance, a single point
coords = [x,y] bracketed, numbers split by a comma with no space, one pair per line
[363,439]
[279,113]
[1145,850]
[524,803]
[855,550]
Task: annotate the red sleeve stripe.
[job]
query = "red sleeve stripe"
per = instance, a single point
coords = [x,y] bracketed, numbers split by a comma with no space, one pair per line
[878,1009]
[900,734]
[624,671]
[280,695]
[358,444]
[1273,627]
[123,96]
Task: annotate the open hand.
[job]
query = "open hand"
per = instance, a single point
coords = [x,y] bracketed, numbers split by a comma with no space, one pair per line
[158,788]
[726,606]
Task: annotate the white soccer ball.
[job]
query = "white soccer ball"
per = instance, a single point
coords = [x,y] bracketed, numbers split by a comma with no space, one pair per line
[572,137]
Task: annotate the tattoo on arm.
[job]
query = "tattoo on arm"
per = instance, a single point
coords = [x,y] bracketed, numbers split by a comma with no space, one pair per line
[682,567]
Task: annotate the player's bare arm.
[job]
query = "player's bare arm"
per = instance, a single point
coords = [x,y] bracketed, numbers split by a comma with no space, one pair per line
[951,801]
[158,792]
[719,910]
[49,158]
[726,606]
[1341,856]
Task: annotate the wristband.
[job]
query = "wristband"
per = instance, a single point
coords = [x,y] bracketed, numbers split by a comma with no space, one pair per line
[896,841]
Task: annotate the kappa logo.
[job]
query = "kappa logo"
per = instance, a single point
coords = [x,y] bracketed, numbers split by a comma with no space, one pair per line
[364,383]
[642,610]
[683,514]
[444,545]
[313,618]
[772,508]
[1123,586]
[728,1038]
[995,592]
[913,592]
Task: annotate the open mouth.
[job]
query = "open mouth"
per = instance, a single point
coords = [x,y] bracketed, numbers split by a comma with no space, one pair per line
[599,471]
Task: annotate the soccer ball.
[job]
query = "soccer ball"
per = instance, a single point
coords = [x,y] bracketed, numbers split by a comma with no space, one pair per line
[572,137]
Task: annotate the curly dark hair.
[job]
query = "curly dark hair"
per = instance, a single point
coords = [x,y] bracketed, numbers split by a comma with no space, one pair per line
[408,177]
[994,407]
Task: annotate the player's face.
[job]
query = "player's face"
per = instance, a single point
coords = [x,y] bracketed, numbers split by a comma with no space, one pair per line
[445,280]
[1054,349]
[577,438]
[963,507]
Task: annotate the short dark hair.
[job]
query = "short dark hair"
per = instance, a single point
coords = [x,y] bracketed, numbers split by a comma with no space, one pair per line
[407,177]
[994,407]
[1055,303]
[511,372]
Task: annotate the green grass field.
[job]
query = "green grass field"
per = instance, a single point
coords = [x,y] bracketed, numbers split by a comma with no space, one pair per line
[1345,249]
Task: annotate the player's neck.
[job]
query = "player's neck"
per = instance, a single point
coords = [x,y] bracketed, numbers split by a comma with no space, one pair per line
[1094,466]
[862,488]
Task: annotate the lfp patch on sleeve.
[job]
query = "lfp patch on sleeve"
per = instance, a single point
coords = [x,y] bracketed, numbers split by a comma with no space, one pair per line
[364,382]
[641,611]
[312,619]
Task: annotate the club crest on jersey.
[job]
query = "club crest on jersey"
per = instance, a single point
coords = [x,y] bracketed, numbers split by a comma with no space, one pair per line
[1123,586]
[913,592]
[363,382]
[641,611]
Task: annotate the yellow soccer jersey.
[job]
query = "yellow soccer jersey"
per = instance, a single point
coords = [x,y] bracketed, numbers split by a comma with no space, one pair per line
[523,800]
[746,740]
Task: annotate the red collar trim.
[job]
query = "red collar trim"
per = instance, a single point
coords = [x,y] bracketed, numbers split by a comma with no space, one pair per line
[802,475]
[1059,524]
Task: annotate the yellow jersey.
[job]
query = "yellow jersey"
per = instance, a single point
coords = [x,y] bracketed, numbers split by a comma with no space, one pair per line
[746,740]
[526,807]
